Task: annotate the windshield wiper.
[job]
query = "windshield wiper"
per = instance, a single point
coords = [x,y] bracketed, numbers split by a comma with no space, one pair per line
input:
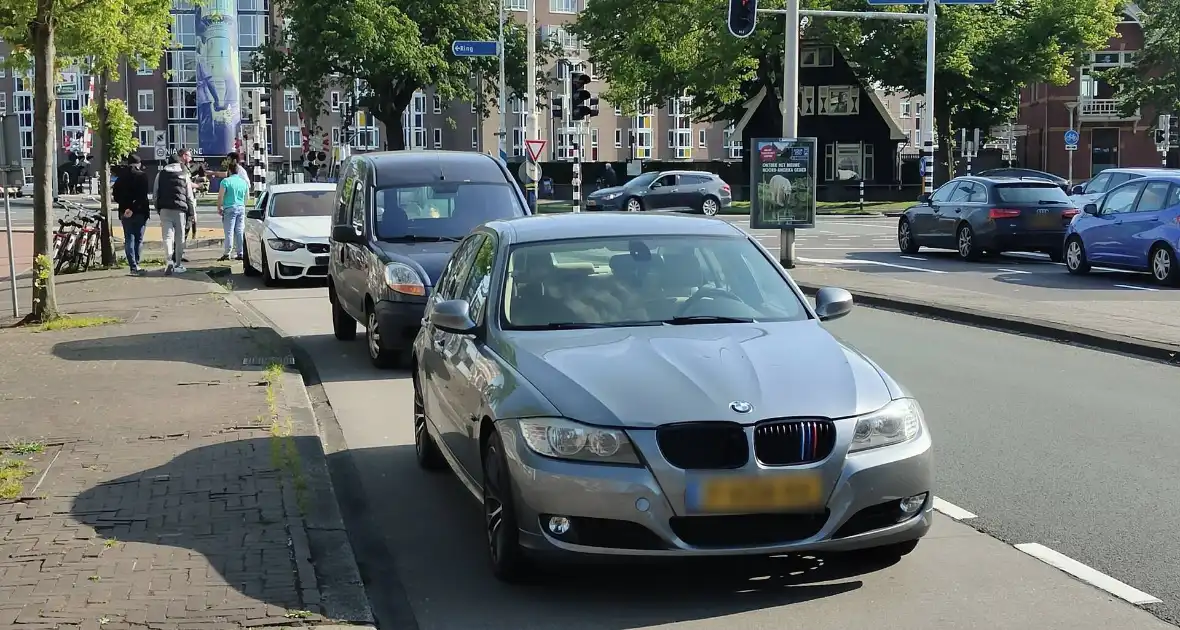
[1050,201]
[581,325]
[707,319]
[414,238]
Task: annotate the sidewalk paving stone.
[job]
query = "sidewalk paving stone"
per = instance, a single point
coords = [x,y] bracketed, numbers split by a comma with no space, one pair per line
[166,486]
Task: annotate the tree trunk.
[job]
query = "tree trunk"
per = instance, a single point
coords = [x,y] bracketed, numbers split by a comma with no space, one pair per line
[44,145]
[395,136]
[104,167]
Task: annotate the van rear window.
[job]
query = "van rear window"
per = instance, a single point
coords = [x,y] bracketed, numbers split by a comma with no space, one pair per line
[1031,192]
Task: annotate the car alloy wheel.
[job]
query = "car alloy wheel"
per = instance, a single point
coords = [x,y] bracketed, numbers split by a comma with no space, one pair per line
[709,207]
[633,205]
[429,457]
[508,561]
[905,238]
[967,243]
[1162,265]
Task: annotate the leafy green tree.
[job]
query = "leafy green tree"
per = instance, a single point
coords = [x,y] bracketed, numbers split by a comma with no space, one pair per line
[1154,81]
[652,51]
[118,130]
[395,48]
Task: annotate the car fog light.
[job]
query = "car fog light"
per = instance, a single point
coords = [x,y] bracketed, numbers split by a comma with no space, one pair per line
[559,525]
[642,504]
[909,505]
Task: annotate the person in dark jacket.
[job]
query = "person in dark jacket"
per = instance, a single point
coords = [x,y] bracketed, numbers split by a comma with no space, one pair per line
[130,194]
[177,205]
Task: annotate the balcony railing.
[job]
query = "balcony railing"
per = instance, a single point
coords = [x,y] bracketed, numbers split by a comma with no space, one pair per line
[1102,109]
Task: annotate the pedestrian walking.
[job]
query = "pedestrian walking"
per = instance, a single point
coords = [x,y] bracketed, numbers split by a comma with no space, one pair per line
[130,194]
[176,204]
[231,205]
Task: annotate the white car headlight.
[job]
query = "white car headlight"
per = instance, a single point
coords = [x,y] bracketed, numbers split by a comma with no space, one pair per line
[284,244]
[614,195]
[566,439]
[899,421]
[404,279]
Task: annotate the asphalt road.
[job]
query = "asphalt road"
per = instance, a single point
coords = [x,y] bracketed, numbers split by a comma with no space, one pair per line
[22,213]
[419,536]
[870,246]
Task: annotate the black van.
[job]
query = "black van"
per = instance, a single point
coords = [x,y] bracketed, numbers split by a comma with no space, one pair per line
[398,217]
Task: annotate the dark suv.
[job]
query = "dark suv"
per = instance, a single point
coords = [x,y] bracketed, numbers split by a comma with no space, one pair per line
[700,191]
[398,217]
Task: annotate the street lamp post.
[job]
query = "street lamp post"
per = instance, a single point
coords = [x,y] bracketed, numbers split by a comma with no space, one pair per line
[1071,106]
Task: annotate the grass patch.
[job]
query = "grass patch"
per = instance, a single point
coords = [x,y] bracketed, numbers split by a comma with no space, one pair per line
[283,454]
[66,322]
[17,447]
[12,477]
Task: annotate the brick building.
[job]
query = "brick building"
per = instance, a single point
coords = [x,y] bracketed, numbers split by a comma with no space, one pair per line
[1108,139]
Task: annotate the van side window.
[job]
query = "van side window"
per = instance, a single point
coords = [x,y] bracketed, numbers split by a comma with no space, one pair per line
[344,194]
[358,205]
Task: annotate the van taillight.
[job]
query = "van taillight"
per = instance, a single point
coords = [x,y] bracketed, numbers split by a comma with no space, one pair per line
[1002,213]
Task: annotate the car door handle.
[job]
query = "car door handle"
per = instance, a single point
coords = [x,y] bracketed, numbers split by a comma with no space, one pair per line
[702,190]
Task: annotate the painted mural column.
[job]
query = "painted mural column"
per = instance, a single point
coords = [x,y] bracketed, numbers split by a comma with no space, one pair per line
[218,74]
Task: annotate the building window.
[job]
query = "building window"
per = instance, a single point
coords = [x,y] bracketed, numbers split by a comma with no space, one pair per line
[3,103]
[182,103]
[560,36]
[868,171]
[618,138]
[474,107]
[563,144]
[702,139]
[3,71]
[517,141]
[146,101]
[23,104]
[437,108]
[848,161]
[290,101]
[182,136]
[618,111]
[906,109]
[184,30]
[437,138]
[251,31]
[71,110]
[817,57]
[474,137]
[147,137]
[334,101]
[681,133]
[563,6]
[414,122]
[365,138]
[251,5]
[733,144]
[593,145]
[839,100]
[182,66]
[292,137]
[642,126]
[248,74]
[335,136]
[142,69]
[516,5]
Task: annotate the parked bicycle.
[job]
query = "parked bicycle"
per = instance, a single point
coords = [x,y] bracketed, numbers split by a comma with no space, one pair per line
[76,241]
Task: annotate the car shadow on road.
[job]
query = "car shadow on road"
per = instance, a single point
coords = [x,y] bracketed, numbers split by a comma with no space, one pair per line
[340,361]
[212,516]
[421,534]
[256,348]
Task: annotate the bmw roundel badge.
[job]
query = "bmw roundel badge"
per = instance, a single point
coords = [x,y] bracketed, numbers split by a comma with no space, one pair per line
[741,406]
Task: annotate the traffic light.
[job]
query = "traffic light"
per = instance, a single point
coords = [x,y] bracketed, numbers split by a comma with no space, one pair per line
[249,105]
[557,107]
[743,14]
[263,97]
[1161,136]
[583,104]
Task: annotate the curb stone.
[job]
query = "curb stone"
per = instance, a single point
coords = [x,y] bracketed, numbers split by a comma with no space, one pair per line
[1065,333]
[325,562]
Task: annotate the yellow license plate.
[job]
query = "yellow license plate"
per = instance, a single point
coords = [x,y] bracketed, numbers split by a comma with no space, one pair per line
[755,494]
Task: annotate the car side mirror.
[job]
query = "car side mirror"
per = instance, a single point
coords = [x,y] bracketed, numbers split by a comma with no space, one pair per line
[924,198]
[254,214]
[832,303]
[346,234]
[1078,189]
[655,185]
[453,316]
[1091,208]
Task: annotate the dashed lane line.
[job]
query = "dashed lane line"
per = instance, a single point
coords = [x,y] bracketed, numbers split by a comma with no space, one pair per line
[952,510]
[1086,574]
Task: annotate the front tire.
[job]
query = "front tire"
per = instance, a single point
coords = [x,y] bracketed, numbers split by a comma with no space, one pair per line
[343,325]
[247,268]
[965,239]
[428,455]
[1075,257]
[634,205]
[509,563]
[267,278]
[710,206]
[1164,267]
[379,354]
[905,238]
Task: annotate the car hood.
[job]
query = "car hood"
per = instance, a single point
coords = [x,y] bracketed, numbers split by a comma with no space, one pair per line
[316,229]
[431,257]
[649,376]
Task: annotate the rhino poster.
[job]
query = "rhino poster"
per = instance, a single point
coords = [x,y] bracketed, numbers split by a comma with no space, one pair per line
[782,183]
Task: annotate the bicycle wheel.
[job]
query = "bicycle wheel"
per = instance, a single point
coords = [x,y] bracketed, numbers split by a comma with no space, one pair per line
[76,257]
[86,252]
[66,253]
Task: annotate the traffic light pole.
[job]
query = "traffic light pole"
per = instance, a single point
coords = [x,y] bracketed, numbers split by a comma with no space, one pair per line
[790,100]
[531,100]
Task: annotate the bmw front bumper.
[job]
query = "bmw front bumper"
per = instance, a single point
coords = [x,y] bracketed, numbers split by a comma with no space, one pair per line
[298,264]
[640,511]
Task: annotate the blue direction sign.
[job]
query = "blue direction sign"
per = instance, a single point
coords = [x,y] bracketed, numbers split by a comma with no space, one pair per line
[1072,137]
[475,49]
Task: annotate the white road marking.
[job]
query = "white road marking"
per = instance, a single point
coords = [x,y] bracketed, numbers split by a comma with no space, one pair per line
[913,258]
[952,510]
[1086,574]
[856,261]
[844,249]
[1131,286]
[1011,270]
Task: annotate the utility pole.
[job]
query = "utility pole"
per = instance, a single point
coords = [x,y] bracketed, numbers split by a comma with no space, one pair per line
[531,98]
[790,101]
[502,134]
[928,118]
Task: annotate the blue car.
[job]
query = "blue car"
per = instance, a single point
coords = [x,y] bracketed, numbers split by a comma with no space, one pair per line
[1135,226]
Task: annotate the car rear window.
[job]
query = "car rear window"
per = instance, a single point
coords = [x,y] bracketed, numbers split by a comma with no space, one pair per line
[1031,192]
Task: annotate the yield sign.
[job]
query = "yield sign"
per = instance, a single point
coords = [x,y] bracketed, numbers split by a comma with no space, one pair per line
[534,148]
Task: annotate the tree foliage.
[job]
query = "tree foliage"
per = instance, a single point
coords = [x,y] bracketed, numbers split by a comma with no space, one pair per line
[395,48]
[1154,81]
[120,129]
[654,50]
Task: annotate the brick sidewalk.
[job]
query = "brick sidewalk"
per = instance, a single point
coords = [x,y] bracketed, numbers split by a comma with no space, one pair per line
[22,246]
[165,488]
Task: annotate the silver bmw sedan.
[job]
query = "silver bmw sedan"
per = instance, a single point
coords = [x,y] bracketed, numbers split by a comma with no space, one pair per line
[657,385]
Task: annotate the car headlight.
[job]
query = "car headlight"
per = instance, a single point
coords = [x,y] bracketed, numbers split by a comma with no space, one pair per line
[566,439]
[402,278]
[614,195]
[899,421]
[284,244]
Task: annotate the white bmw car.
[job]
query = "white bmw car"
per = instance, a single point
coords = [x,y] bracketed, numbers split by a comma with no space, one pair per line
[287,232]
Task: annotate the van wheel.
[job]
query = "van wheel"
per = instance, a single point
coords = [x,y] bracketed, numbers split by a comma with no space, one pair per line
[343,325]
[381,356]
